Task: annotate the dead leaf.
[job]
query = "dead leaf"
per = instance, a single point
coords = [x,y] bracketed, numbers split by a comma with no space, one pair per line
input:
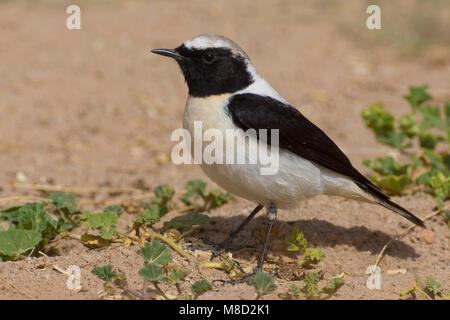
[396,271]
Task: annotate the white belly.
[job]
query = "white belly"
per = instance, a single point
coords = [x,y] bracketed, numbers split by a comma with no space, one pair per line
[297,179]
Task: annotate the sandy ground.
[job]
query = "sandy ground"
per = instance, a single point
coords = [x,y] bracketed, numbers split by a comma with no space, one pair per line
[94,108]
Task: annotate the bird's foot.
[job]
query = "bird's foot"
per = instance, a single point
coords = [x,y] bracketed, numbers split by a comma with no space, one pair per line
[247,278]
[217,249]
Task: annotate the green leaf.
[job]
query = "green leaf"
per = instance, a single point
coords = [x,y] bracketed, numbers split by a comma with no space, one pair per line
[15,242]
[334,285]
[446,162]
[105,273]
[429,140]
[447,118]
[310,289]
[114,209]
[264,283]
[297,241]
[312,256]
[200,287]
[216,198]
[294,292]
[417,96]
[425,178]
[437,161]
[63,201]
[151,215]
[105,221]
[156,252]
[431,118]
[433,286]
[152,272]
[177,274]
[32,216]
[378,119]
[408,125]
[195,189]
[394,184]
[387,166]
[311,279]
[393,139]
[164,193]
[190,219]
[440,183]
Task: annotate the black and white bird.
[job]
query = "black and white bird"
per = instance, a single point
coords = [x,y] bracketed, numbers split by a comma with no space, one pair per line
[226,92]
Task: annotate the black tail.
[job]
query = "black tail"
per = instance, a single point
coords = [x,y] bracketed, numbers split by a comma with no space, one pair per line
[383,200]
[401,211]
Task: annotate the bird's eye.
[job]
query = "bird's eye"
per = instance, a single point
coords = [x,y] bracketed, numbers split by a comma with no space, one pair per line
[208,58]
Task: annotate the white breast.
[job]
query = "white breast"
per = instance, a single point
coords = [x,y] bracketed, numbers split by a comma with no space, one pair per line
[297,178]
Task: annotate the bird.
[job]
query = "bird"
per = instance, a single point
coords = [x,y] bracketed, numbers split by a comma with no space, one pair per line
[226,92]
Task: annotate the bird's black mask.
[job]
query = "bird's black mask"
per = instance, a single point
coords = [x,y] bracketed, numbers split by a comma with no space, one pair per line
[212,71]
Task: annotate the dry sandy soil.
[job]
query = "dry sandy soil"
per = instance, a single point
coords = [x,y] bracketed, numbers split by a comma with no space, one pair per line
[94,108]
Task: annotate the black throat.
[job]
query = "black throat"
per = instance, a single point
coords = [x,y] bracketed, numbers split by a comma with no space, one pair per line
[226,73]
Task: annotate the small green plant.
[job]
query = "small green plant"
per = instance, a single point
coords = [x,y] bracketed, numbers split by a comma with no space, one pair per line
[176,275]
[263,283]
[200,287]
[156,252]
[433,287]
[156,255]
[424,129]
[151,215]
[64,202]
[297,242]
[15,242]
[187,220]
[196,189]
[311,291]
[106,273]
[163,194]
[104,221]
[115,282]
[311,256]
[36,224]
[431,290]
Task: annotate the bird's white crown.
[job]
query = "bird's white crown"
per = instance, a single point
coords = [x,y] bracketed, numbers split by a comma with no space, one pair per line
[208,41]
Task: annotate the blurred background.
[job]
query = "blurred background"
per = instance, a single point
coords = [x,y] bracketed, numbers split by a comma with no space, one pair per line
[95,107]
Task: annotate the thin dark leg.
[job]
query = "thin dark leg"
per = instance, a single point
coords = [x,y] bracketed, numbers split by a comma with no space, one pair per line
[265,245]
[272,216]
[228,241]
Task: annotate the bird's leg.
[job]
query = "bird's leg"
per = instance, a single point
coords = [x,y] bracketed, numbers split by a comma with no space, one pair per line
[221,247]
[272,216]
[228,241]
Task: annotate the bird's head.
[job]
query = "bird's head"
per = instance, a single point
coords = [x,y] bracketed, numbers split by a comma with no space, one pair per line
[212,64]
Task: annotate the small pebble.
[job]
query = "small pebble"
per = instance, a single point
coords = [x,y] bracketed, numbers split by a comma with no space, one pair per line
[428,236]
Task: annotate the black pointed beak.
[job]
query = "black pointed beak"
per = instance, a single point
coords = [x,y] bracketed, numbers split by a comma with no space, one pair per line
[170,53]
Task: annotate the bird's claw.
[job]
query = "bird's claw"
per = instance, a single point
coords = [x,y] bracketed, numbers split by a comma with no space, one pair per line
[217,249]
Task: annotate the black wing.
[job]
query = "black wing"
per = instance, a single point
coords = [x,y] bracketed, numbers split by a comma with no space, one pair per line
[300,136]
[297,133]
